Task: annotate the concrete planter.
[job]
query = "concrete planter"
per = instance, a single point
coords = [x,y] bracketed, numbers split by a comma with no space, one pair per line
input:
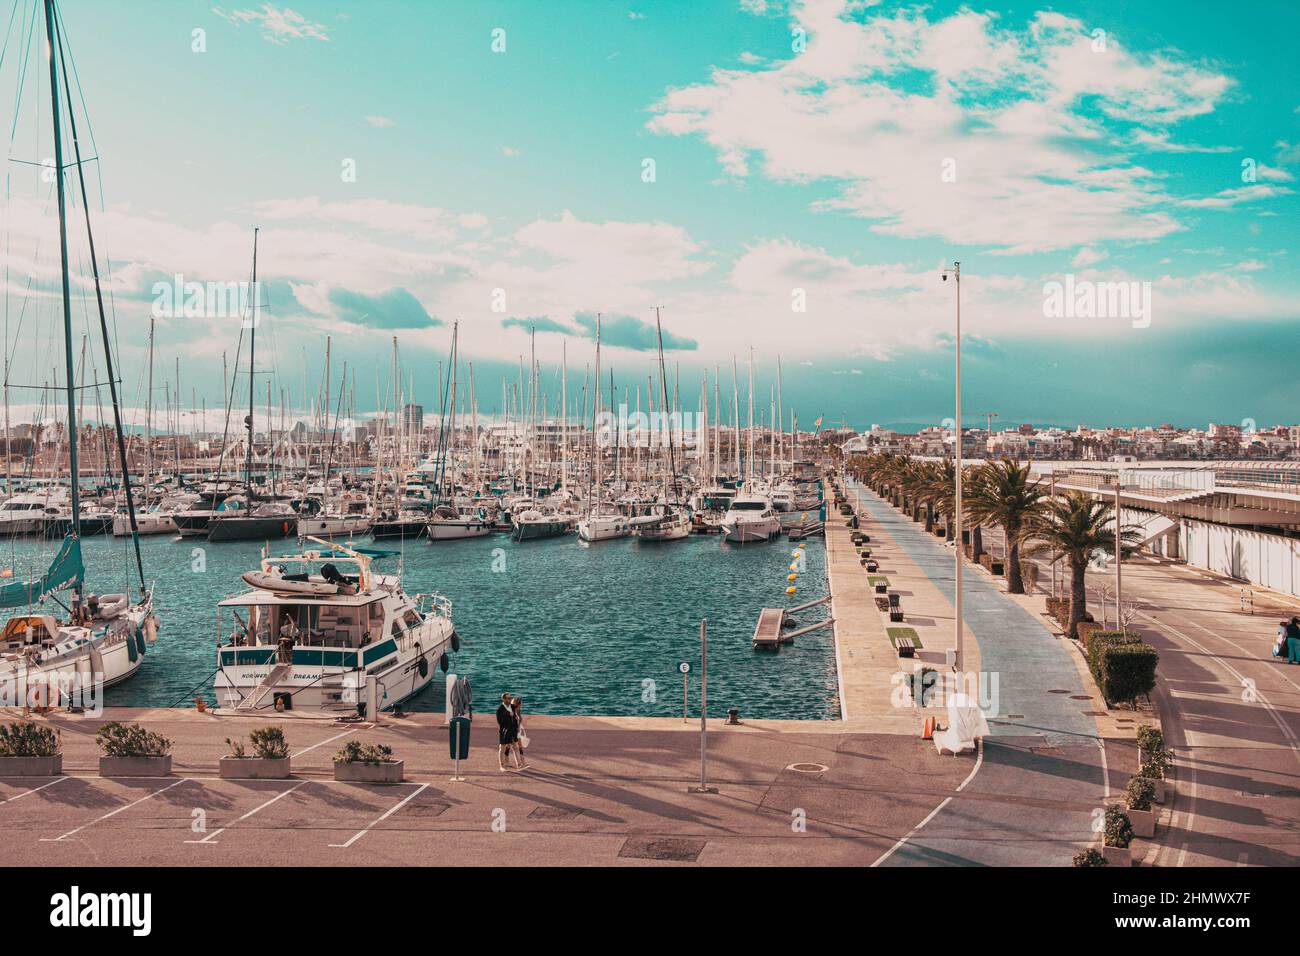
[31,766]
[390,772]
[254,768]
[1144,822]
[135,766]
[1117,855]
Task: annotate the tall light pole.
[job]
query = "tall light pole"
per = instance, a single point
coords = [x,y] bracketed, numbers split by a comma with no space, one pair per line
[1119,551]
[957,506]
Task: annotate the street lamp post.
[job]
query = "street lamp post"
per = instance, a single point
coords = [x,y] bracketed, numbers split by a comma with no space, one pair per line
[957,505]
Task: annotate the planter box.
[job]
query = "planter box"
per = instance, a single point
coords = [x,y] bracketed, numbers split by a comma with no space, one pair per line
[1117,855]
[390,772]
[31,766]
[996,568]
[1144,822]
[135,766]
[254,768]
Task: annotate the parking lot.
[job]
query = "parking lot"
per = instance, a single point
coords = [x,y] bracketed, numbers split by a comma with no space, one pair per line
[599,792]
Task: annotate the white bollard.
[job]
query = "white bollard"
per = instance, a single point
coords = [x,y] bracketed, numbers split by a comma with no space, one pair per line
[446,715]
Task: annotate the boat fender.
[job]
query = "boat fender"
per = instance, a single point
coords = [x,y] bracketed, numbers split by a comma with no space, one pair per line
[423,667]
[455,641]
[151,629]
[444,663]
[139,639]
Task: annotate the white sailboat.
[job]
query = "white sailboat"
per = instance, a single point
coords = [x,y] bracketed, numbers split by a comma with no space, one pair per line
[45,660]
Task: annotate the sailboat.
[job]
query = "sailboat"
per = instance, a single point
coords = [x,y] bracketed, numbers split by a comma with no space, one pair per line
[669,521]
[271,519]
[46,660]
[602,522]
[446,523]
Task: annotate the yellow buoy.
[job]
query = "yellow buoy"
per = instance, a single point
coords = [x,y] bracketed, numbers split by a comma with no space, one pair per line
[790,590]
[791,577]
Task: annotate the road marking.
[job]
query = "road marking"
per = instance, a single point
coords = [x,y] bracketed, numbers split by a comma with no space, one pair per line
[212,837]
[323,743]
[33,790]
[357,836]
[979,760]
[114,812]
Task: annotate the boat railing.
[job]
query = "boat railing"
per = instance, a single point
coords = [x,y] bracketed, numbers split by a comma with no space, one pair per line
[434,603]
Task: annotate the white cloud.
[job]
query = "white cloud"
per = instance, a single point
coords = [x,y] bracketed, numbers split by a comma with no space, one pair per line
[1086,257]
[380,122]
[279,25]
[1035,168]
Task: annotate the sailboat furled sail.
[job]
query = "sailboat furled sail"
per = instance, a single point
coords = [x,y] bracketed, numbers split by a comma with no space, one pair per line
[66,570]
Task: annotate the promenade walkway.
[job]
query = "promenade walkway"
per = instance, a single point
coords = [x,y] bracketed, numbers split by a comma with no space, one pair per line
[1033,799]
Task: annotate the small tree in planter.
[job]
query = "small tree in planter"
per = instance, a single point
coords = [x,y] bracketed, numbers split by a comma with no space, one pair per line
[1116,836]
[1089,857]
[367,763]
[29,750]
[1141,793]
[132,751]
[270,760]
[1155,765]
[1150,740]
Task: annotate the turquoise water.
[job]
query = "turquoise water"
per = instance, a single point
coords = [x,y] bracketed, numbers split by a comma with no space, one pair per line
[573,629]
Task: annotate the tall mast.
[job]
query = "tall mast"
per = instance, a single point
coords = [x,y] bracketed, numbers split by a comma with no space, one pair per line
[73,465]
[252,348]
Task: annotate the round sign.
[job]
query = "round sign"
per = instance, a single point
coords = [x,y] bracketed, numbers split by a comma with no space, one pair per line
[684,667]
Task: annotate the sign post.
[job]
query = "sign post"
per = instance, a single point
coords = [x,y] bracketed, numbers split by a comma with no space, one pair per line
[685,669]
[458,737]
[704,710]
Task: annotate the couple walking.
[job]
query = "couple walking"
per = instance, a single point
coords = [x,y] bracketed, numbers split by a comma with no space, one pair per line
[510,729]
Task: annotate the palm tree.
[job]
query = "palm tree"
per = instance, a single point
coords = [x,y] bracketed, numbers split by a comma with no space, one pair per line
[936,488]
[1074,528]
[1005,494]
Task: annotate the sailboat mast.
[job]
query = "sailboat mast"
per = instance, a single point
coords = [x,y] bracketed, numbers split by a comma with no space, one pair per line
[252,349]
[73,465]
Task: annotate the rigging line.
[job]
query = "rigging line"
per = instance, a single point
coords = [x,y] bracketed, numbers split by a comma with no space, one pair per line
[13,12]
[22,74]
[103,323]
[81,95]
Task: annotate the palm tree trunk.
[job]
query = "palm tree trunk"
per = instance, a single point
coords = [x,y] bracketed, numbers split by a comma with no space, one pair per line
[950,526]
[1015,581]
[1078,595]
[976,543]
[929,519]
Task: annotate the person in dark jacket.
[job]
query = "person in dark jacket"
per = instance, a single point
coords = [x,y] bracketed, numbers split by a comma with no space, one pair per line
[507,732]
[1293,641]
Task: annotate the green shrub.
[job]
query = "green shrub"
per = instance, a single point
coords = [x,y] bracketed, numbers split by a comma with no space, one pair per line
[23,738]
[354,751]
[1089,857]
[269,743]
[1128,671]
[1098,643]
[236,748]
[1119,831]
[1141,793]
[1155,763]
[1150,739]
[131,740]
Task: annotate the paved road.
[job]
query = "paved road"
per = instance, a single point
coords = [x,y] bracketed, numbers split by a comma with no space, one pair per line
[1033,799]
[1231,714]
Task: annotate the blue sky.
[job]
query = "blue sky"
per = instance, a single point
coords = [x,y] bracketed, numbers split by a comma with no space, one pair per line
[495,187]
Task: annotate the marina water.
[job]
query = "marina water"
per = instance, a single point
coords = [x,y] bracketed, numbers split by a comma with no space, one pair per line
[570,628]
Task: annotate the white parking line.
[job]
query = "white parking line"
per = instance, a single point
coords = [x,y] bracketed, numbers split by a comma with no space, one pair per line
[115,812]
[323,743]
[359,835]
[33,790]
[212,837]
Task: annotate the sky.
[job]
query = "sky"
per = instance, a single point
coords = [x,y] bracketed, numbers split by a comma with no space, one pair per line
[785,180]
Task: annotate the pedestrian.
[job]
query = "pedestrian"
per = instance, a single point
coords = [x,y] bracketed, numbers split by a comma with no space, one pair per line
[1293,641]
[521,735]
[507,731]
